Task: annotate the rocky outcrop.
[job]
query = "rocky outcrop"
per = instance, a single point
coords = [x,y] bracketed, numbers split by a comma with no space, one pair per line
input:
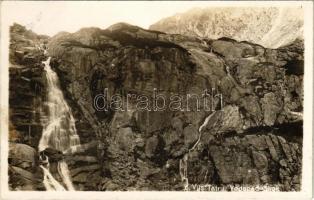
[257,158]
[141,150]
[24,173]
[26,85]
[26,96]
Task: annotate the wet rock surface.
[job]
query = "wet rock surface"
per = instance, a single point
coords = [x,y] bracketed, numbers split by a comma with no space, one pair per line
[245,143]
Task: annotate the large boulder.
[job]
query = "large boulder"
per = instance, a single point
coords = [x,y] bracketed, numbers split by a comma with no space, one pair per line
[24,171]
[22,153]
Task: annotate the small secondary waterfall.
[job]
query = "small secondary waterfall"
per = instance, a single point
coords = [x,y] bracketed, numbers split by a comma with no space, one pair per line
[183,165]
[59,132]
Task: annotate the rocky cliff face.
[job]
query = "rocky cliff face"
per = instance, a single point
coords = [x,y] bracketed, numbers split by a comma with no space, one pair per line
[251,136]
[26,97]
[257,132]
[271,27]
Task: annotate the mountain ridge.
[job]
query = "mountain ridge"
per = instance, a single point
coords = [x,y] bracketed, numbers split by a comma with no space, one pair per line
[270,27]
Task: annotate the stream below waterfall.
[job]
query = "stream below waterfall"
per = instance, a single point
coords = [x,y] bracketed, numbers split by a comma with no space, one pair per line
[59,133]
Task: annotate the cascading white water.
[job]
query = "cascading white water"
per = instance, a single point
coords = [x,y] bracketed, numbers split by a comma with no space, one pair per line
[59,131]
[183,164]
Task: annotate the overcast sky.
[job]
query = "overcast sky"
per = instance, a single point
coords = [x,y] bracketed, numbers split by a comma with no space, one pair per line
[52,17]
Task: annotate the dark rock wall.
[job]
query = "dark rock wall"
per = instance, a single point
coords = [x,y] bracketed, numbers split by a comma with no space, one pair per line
[26,96]
[140,150]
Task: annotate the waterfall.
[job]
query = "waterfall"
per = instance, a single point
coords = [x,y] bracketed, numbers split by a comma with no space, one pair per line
[59,132]
[183,164]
